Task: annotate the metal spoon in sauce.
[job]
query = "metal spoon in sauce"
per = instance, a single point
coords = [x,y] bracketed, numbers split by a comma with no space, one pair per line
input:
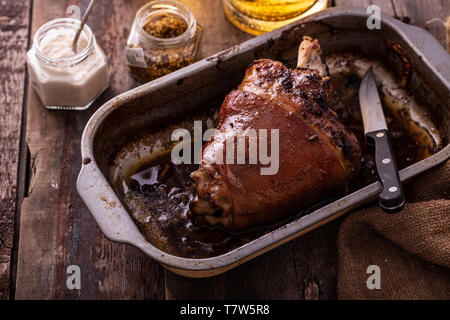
[83,21]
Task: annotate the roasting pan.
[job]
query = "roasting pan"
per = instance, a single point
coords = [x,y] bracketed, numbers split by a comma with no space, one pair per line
[178,94]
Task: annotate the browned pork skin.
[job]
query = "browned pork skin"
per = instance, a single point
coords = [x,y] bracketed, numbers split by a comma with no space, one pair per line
[317,155]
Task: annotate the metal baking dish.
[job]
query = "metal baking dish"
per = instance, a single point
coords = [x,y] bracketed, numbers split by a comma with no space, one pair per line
[176,95]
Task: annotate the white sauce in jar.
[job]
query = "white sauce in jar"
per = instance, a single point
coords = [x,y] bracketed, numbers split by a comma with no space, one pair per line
[64,79]
[57,43]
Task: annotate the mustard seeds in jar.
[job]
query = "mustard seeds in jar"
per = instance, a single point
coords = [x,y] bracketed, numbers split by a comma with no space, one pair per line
[166,25]
[163,39]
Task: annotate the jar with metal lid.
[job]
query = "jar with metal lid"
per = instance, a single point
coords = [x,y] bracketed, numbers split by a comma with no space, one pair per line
[61,77]
[164,38]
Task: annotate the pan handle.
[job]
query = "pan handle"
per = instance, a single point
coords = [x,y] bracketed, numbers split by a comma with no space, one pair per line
[106,208]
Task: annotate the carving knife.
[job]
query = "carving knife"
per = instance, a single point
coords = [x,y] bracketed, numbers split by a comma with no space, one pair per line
[392,197]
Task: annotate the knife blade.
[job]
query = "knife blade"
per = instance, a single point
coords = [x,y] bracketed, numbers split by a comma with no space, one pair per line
[392,197]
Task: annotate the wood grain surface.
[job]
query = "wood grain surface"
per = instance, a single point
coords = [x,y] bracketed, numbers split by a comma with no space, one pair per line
[14,21]
[56,229]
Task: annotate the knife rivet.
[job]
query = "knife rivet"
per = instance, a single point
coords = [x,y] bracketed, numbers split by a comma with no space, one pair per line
[380,134]
[386,161]
[393,189]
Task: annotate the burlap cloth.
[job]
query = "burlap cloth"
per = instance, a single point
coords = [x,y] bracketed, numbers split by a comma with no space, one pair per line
[411,248]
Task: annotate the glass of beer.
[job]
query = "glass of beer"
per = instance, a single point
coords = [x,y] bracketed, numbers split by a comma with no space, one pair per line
[260,16]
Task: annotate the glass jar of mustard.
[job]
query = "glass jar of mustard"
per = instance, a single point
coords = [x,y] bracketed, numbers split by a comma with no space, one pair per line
[62,78]
[164,38]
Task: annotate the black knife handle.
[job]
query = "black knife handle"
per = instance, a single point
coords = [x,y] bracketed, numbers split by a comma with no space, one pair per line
[392,197]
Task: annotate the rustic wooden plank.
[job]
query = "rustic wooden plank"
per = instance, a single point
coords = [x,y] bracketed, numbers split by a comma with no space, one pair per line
[386,6]
[218,32]
[301,269]
[14,21]
[427,14]
[56,228]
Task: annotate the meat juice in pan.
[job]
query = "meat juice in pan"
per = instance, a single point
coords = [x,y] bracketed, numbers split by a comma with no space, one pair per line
[158,193]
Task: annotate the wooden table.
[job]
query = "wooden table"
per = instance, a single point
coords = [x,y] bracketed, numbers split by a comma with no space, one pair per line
[44,225]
